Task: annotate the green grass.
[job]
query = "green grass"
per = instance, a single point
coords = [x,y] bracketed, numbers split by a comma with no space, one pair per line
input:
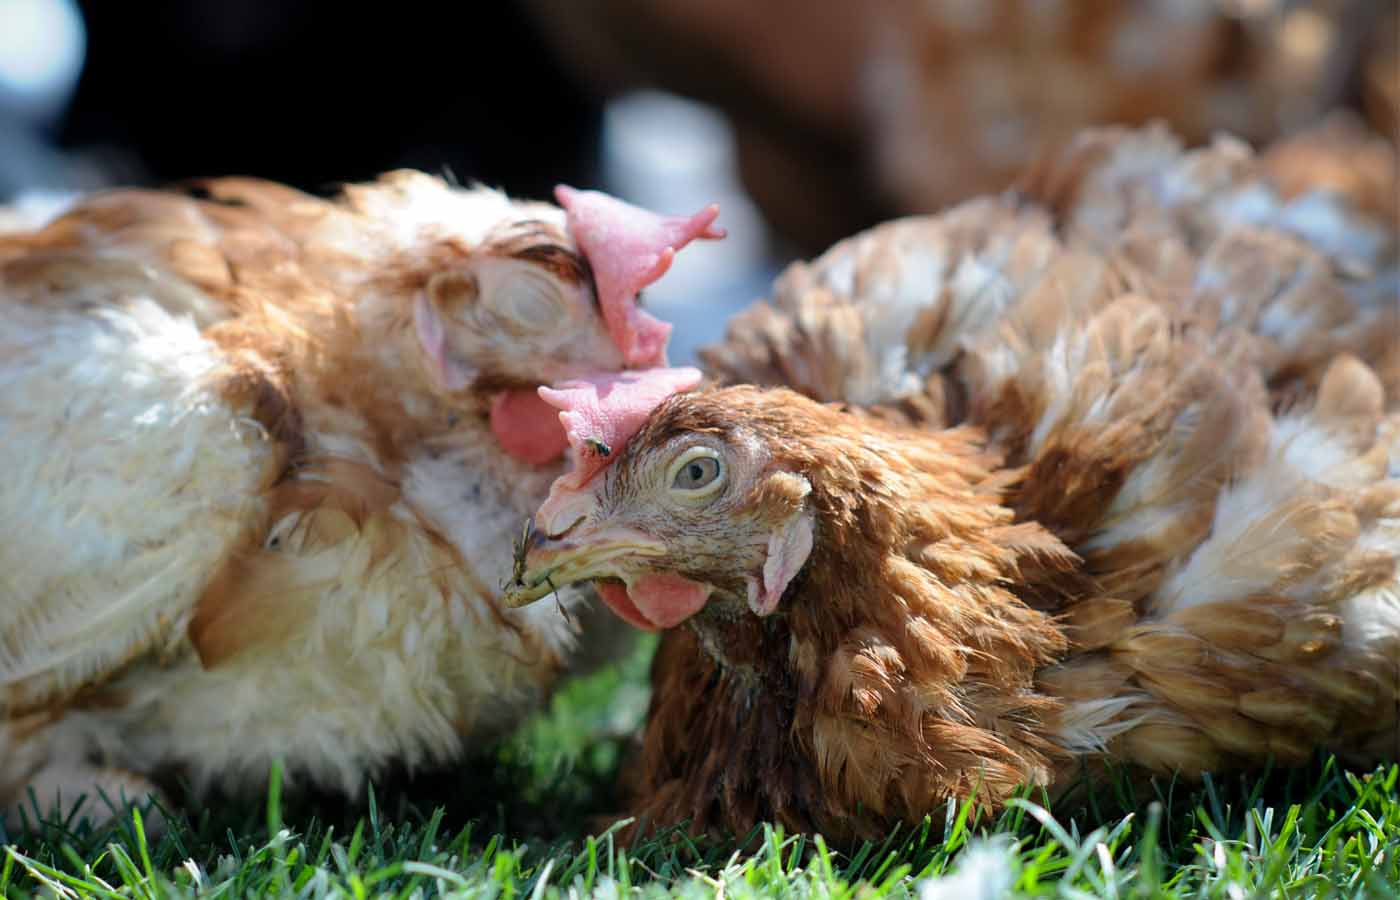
[517,825]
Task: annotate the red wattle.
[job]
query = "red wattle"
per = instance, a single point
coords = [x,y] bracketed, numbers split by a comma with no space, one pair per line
[527,427]
[668,599]
[662,600]
[614,594]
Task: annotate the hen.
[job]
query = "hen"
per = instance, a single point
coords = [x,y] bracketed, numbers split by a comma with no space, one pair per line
[1109,481]
[263,454]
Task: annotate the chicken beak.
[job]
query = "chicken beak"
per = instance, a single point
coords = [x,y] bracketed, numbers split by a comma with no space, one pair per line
[582,553]
[567,543]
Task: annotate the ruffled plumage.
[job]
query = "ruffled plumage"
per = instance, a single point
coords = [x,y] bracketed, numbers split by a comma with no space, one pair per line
[1179,545]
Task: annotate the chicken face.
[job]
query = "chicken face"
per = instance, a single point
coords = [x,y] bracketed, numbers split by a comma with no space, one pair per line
[551,294]
[694,510]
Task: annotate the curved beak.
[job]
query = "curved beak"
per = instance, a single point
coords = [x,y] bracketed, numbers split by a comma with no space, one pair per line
[545,563]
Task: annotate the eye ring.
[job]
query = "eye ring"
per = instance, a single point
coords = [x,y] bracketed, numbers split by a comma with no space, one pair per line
[696,474]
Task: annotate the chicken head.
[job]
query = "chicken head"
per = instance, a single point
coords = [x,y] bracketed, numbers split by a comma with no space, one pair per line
[689,509]
[532,309]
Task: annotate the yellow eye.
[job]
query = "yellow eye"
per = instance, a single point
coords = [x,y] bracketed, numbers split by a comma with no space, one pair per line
[698,472]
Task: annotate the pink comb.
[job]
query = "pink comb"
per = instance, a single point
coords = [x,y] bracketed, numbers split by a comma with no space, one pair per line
[601,414]
[630,248]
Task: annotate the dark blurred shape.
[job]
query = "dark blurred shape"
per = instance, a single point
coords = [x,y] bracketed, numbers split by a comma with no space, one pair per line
[1382,89]
[312,93]
[846,112]
[787,73]
[843,113]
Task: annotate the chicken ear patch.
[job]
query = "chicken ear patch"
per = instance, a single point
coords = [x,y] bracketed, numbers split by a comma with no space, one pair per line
[788,548]
[450,373]
[629,248]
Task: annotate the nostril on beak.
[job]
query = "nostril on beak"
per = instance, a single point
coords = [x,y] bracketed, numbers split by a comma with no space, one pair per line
[541,536]
[565,510]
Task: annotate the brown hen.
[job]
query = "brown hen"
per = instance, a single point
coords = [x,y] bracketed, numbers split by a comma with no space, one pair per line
[1112,476]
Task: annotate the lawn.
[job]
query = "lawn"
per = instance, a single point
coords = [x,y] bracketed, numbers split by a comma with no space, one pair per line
[517,824]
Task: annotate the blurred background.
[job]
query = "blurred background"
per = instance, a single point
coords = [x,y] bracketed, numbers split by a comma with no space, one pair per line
[806,119]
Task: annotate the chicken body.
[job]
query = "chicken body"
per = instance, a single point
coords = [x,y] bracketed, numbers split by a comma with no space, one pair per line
[1295,247]
[1111,472]
[266,455]
[1187,588]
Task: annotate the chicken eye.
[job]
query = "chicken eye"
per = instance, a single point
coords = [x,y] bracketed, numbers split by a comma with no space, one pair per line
[697,473]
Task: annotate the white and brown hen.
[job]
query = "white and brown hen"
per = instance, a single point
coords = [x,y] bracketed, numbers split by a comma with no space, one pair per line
[264,456]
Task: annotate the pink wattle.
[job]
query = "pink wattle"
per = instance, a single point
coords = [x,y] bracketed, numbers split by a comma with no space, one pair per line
[614,594]
[654,601]
[527,427]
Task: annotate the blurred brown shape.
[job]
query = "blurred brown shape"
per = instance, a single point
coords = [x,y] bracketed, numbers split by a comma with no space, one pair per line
[1382,75]
[1342,156]
[847,112]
